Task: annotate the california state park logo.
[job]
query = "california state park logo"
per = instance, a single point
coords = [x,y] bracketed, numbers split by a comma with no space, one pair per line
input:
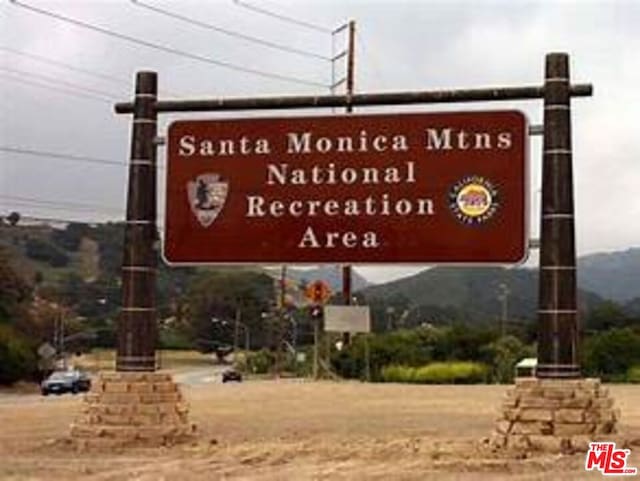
[474,199]
[207,195]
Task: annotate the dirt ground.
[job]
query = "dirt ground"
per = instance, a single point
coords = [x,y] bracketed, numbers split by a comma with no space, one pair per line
[294,430]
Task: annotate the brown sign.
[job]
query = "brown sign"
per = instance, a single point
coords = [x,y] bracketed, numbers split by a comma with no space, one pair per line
[413,188]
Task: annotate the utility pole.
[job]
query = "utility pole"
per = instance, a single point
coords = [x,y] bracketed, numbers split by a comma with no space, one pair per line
[61,339]
[390,312]
[346,270]
[281,321]
[236,332]
[316,315]
[503,297]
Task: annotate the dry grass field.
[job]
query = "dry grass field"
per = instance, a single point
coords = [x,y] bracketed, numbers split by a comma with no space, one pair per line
[293,430]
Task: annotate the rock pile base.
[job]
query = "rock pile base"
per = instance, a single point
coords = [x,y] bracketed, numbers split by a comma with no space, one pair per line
[132,409]
[560,416]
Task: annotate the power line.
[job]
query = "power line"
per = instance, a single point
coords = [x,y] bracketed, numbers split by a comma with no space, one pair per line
[164,48]
[74,93]
[38,58]
[284,18]
[19,204]
[57,81]
[56,155]
[72,157]
[60,220]
[231,33]
[59,204]
[66,208]
[110,78]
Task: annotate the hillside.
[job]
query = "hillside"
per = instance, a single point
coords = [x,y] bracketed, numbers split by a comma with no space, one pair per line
[332,274]
[471,292]
[82,263]
[91,255]
[614,275]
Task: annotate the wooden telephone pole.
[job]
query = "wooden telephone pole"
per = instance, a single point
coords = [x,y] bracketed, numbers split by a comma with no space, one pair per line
[346,270]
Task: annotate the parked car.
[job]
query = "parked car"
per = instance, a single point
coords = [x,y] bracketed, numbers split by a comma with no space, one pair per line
[231,375]
[60,382]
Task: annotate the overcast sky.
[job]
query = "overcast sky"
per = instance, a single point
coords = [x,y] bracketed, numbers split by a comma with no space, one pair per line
[401,45]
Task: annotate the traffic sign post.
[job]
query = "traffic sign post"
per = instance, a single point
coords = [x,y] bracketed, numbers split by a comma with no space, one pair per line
[318,292]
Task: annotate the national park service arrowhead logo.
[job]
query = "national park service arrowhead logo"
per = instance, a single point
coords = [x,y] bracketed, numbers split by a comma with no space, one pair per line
[207,195]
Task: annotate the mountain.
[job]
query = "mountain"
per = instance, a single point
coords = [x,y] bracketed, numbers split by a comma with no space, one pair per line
[473,292]
[332,274]
[469,293]
[632,308]
[614,275]
[79,252]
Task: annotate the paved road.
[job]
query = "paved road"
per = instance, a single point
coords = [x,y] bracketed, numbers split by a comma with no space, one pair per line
[190,377]
[201,375]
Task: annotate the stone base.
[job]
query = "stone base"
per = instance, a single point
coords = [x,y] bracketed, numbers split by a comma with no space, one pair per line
[561,416]
[132,409]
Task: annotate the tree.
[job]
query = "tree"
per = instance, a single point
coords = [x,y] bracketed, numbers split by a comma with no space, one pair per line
[110,239]
[503,355]
[15,292]
[70,237]
[605,316]
[216,297]
[611,353]
[17,356]
[42,250]
[13,218]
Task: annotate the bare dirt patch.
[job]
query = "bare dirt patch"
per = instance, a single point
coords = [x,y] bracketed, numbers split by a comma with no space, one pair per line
[290,430]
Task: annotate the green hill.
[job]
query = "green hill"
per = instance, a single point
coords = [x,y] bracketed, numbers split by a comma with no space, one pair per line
[332,274]
[86,259]
[614,275]
[471,293]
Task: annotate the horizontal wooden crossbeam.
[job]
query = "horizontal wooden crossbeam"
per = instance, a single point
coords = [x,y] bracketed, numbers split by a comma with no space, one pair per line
[356,100]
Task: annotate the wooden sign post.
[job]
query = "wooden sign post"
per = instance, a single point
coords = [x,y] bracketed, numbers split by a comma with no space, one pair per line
[557,314]
[434,188]
[137,324]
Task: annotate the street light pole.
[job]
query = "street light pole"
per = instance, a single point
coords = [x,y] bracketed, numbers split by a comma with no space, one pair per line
[236,331]
[503,297]
[247,338]
[390,311]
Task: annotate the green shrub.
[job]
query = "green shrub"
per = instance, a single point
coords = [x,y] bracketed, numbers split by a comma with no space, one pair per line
[503,355]
[452,373]
[403,347]
[612,353]
[173,339]
[17,359]
[259,362]
[633,374]
[458,372]
[40,250]
[70,237]
[424,345]
[398,373]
